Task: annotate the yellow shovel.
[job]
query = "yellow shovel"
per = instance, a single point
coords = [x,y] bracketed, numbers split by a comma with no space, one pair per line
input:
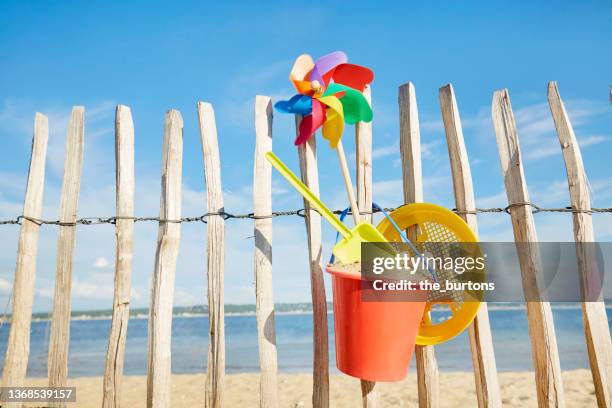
[348,250]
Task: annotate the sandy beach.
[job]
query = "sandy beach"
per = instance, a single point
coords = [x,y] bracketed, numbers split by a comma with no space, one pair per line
[456,390]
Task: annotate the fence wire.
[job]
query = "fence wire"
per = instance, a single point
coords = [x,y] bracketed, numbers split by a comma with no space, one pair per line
[535,209]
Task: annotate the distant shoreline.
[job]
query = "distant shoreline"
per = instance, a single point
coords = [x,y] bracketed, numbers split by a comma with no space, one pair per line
[249,310]
[175,314]
[89,342]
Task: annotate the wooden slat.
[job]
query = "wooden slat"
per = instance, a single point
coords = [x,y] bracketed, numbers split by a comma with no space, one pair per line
[410,149]
[596,329]
[159,373]
[410,144]
[216,257]
[363,151]
[124,231]
[262,207]
[60,323]
[310,176]
[18,348]
[363,143]
[481,341]
[549,386]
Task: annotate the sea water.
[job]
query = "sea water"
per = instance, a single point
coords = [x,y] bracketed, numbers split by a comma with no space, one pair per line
[88,343]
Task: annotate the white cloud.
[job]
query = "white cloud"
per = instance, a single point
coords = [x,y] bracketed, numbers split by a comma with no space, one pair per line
[550,226]
[90,290]
[601,191]
[534,121]
[135,295]
[12,182]
[432,126]
[238,106]
[549,149]
[185,297]
[554,193]
[591,140]
[390,192]
[17,119]
[429,150]
[536,127]
[45,292]
[496,200]
[6,286]
[14,119]
[101,263]
[278,188]
[385,151]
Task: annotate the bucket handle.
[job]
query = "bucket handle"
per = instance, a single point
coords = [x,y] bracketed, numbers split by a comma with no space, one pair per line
[375,207]
[402,234]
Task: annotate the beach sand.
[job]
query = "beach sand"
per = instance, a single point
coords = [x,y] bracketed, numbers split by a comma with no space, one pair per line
[242,390]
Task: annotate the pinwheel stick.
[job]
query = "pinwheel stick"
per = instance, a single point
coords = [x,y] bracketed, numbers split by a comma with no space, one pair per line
[347,182]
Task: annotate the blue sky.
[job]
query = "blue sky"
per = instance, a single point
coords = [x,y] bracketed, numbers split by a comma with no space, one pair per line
[154,56]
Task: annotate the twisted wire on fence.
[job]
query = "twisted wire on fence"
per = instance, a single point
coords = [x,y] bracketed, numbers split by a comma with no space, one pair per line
[300,213]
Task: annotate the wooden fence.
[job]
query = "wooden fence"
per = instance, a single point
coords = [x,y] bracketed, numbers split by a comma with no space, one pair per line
[541,327]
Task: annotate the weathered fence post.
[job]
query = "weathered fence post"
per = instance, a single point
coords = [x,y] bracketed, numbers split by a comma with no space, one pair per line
[410,149]
[549,384]
[124,230]
[481,341]
[363,152]
[262,210]
[596,329]
[18,348]
[60,324]
[216,257]
[363,149]
[310,176]
[159,372]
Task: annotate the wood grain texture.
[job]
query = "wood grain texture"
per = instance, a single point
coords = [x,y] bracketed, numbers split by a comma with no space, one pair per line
[549,386]
[262,207]
[363,153]
[410,144]
[124,231]
[363,144]
[596,328]
[60,323]
[320,375]
[159,368]
[479,333]
[18,348]
[216,257]
[410,150]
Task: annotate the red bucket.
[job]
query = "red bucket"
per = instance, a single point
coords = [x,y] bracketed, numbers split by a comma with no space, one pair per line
[374,339]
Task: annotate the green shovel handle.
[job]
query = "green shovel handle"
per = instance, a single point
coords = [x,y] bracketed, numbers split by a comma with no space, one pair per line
[308,195]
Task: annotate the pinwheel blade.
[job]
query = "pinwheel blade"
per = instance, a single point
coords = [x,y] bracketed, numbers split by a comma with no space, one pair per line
[311,123]
[298,104]
[334,123]
[300,74]
[351,75]
[325,64]
[355,105]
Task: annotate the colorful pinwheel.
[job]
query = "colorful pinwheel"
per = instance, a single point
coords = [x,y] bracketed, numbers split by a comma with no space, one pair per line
[329,94]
